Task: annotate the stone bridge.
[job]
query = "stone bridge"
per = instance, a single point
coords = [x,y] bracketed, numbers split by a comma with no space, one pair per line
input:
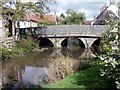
[85,33]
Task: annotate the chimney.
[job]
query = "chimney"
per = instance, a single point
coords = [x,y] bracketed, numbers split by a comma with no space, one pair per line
[94,17]
[56,18]
[103,8]
[112,2]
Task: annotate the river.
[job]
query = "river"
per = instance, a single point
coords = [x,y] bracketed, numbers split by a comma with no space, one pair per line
[47,66]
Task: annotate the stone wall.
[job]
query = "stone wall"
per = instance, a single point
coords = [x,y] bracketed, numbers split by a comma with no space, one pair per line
[83,30]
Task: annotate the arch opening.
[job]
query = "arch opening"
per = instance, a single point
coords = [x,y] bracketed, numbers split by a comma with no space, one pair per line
[75,42]
[64,42]
[72,47]
[45,42]
[95,46]
[81,43]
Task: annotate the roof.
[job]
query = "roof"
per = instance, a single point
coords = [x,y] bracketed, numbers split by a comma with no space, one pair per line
[35,18]
[51,18]
[108,13]
[38,18]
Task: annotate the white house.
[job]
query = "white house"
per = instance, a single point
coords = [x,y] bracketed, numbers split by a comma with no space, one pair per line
[2,32]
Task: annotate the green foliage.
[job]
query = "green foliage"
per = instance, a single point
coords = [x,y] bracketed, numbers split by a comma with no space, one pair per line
[6,54]
[74,17]
[46,23]
[110,52]
[22,46]
[7,33]
[62,15]
[21,8]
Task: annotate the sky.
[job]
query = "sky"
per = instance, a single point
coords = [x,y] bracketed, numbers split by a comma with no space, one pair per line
[91,8]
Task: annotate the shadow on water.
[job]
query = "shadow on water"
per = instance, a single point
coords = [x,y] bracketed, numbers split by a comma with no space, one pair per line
[75,53]
[72,47]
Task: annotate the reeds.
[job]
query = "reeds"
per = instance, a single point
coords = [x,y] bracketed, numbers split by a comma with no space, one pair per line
[60,67]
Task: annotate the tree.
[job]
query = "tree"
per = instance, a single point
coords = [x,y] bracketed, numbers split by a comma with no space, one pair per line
[62,15]
[110,52]
[74,17]
[21,8]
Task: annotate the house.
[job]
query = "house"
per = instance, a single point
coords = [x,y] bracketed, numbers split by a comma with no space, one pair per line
[29,20]
[107,13]
[2,32]
[32,20]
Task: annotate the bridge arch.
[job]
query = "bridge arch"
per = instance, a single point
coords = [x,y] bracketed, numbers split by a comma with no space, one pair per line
[81,43]
[95,45]
[64,42]
[56,41]
[96,42]
[45,42]
[88,42]
[75,41]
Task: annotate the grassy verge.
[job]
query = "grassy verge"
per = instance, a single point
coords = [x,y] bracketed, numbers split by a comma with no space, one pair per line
[85,79]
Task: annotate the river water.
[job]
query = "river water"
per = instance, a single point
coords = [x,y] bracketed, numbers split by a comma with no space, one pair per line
[48,65]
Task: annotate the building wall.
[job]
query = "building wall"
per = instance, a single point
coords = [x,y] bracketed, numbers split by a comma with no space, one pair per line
[25,24]
[2,32]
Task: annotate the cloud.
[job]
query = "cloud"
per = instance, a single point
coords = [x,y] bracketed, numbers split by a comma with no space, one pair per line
[76,1]
[91,9]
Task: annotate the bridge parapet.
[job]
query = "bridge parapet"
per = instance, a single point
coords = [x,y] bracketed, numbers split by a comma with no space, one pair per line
[83,30]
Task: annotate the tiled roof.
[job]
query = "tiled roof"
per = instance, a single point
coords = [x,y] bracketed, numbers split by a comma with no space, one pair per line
[35,18]
[38,18]
[51,18]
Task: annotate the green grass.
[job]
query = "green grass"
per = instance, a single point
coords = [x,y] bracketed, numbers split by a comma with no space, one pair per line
[88,78]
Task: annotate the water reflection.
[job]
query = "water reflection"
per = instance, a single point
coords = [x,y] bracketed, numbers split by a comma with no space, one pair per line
[73,53]
[29,68]
[35,67]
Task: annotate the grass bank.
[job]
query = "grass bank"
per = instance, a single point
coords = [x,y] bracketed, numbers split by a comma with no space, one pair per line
[88,78]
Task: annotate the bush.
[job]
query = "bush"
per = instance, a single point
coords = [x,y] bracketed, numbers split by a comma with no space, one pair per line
[22,46]
[110,52]
[25,44]
[6,54]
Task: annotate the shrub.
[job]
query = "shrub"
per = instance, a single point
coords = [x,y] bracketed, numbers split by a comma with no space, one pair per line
[7,33]
[6,54]
[26,44]
[22,46]
[110,52]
